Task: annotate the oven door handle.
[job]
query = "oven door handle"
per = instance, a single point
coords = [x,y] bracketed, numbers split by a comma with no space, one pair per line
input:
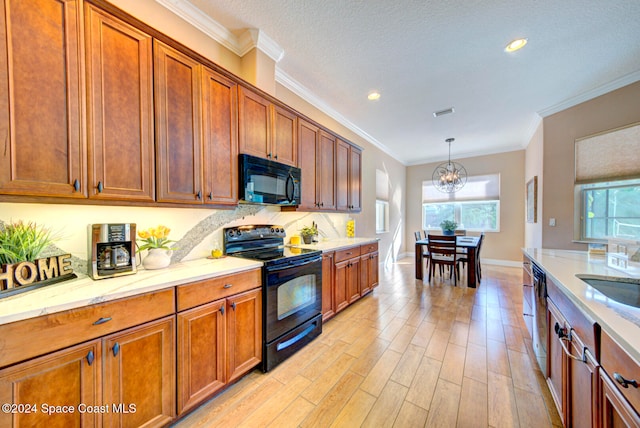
[294,264]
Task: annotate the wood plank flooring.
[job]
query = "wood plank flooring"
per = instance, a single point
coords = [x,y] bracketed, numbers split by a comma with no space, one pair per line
[411,354]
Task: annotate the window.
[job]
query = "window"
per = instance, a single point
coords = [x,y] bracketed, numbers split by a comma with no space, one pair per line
[382,201]
[607,185]
[475,207]
[382,216]
[610,210]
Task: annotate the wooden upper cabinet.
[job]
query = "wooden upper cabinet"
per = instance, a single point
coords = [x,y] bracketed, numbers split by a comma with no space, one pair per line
[310,168]
[266,130]
[348,177]
[327,168]
[177,113]
[355,179]
[41,99]
[284,146]
[220,138]
[120,109]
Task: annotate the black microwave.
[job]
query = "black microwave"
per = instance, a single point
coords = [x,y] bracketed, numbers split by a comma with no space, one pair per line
[263,181]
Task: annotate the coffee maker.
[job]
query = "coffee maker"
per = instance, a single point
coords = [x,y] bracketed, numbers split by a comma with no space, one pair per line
[112,250]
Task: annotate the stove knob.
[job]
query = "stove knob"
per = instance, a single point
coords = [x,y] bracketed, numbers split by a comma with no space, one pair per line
[273,230]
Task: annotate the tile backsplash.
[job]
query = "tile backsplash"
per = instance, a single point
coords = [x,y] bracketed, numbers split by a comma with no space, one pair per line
[195,230]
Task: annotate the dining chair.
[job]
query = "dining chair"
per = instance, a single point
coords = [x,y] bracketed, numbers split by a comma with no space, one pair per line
[442,252]
[425,250]
[478,265]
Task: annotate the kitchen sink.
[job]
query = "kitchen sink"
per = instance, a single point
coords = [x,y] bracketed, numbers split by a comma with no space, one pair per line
[622,290]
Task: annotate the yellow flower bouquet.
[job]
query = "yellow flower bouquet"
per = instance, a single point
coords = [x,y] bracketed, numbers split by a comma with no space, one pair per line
[155,237]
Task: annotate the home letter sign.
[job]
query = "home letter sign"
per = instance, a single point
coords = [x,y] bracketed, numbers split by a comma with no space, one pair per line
[41,272]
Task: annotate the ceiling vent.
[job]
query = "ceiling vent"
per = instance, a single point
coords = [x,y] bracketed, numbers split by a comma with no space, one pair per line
[443,112]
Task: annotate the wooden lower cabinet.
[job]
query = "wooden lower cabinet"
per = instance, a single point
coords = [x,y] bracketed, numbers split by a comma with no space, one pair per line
[341,283]
[619,385]
[139,375]
[64,378]
[328,287]
[126,379]
[244,320]
[368,272]
[217,343]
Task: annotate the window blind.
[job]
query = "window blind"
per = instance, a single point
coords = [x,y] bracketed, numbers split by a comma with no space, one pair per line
[478,188]
[613,155]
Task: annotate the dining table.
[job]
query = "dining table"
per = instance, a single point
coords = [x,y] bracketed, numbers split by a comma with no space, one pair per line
[470,243]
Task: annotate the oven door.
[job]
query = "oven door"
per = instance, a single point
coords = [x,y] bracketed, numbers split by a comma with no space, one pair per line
[292,296]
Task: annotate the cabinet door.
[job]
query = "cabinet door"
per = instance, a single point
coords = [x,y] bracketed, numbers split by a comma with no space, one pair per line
[254,135]
[285,136]
[556,369]
[582,390]
[309,166]
[328,289]
[341,282]
[616,412]
[374,261]
[327,171]
[365,272]
[342,176]
[201,353]
[41,98]
[64,378]
[220,138]
[355,171]
[244,320]
[120,109]
[178,151]
[353,280]
[139,375]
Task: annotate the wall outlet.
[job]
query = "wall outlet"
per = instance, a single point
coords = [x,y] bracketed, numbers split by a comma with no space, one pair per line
[552,222]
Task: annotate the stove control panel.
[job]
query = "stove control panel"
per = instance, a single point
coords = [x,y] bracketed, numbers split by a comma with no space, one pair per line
[252,233]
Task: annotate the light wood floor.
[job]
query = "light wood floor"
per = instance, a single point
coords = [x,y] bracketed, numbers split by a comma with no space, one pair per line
[410,354]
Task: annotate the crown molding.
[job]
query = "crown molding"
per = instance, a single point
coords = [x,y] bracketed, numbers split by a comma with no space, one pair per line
[589,95]
[300,90]
[249,39]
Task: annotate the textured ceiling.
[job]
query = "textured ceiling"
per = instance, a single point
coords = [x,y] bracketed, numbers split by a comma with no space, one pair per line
[429,55]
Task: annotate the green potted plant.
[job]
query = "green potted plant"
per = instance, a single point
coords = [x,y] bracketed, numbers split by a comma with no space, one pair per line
[20,242]
[448,227]
[308,232]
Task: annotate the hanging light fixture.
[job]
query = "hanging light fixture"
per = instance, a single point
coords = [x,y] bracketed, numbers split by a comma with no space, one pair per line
[449,177]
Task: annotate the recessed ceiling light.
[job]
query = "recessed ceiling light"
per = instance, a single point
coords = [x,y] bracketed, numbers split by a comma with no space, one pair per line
[515,45]
[374,95]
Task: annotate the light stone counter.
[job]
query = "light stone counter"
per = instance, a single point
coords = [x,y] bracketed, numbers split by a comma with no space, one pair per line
[328,245]
[620,321]
[85,291]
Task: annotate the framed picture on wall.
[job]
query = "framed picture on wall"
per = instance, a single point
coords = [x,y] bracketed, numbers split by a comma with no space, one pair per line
[532,200]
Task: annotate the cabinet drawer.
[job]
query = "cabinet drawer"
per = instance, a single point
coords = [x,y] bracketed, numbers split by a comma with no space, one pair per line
[616,362]
[347,253]
[369,248]
[26,339]
[201,292]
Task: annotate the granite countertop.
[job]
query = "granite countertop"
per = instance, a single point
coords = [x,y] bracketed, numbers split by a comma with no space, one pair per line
[622,322]
[85,291]
[328,245]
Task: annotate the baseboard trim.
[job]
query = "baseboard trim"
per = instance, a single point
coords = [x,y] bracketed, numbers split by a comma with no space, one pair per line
[485,261]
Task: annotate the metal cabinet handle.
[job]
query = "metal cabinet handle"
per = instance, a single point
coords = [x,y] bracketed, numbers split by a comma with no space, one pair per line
[276,157]
[116,349]
[227,286]
[90,357]
[100,187]
[210,195]
[233,305]
[527,285]
[222,309]
[566,338]
[76,185]
[102,320]
[624,382]
[199,195]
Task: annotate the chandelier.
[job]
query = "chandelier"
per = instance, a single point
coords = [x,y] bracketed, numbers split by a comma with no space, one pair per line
[449,177]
